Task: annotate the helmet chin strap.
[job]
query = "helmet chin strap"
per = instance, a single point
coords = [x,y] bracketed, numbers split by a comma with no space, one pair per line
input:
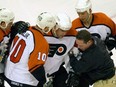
[3,28]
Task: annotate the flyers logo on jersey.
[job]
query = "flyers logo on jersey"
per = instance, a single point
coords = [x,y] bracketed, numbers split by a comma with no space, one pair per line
[58,49]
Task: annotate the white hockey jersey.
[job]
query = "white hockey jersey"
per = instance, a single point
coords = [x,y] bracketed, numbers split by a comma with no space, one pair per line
[101,26]
[59,49]
[28,52]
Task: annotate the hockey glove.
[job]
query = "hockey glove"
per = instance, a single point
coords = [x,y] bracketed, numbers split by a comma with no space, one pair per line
[110,42]
[20,27]
[73,80]
[49,83]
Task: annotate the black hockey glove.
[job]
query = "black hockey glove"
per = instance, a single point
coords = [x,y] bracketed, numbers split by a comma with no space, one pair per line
[110,42]
[73,80]
[20,27]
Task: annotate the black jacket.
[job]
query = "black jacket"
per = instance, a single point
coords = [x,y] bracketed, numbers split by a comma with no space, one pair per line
[95,63]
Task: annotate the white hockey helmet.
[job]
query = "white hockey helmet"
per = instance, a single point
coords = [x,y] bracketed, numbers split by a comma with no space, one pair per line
[83,5]
[6,16]
[44,20]
[63,21]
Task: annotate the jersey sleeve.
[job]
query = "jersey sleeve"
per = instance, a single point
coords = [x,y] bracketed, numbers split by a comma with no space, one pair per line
[38,56]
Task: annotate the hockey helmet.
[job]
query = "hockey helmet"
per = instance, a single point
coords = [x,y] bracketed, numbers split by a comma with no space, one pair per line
[6,16]
[83,5]
[44,20]
[63,21]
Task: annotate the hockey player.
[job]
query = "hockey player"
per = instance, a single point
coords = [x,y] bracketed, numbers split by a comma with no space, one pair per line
[61,39]
[6,21]
[28,53]
[98,24]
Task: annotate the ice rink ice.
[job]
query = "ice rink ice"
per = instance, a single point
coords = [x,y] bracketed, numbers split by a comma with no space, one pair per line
[28,10]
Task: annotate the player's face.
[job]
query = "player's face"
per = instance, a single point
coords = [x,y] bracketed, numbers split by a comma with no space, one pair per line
[84,16]
[60,33]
